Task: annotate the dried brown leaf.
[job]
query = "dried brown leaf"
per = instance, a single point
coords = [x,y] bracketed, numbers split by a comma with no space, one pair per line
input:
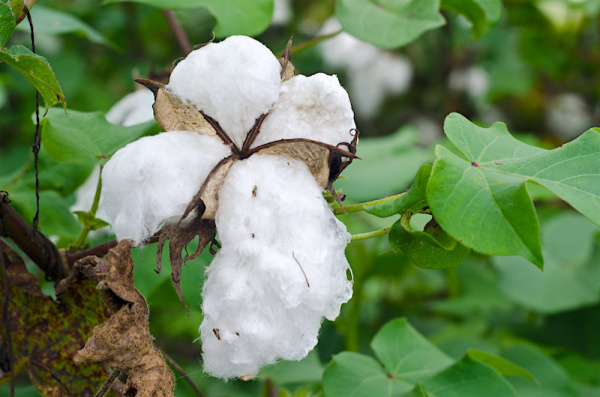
[124,342]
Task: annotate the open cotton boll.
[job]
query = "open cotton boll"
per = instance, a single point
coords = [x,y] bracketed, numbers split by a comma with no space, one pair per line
[282,268]
[152,180]
[234,82]
[315,107]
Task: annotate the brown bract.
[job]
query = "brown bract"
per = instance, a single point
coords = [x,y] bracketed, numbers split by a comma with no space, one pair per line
[123,342]
[324,161]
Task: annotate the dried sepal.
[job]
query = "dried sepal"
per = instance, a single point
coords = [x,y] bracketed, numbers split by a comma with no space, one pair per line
[317,156]
[206,201]
[172,114]
[123,342]
[287,67]
[179,236]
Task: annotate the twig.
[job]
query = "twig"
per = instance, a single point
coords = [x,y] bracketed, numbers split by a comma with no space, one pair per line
[37,138]
[35,245]
[183,373]
[108,383]
[11,365]
[310,43]
[180,35]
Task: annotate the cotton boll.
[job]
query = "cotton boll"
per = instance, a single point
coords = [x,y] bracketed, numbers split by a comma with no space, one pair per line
[152,180]
[387,75]
[281,269]
[315,107]
[134,108]
[234,82]
[344,50]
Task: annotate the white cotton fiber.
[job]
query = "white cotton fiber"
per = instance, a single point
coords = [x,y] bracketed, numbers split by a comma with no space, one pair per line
[234,82]
[152,180]
[134,108]
[315,107]
[281,269]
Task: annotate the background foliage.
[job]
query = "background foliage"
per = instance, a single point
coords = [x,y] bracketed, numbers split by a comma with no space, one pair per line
[498,322]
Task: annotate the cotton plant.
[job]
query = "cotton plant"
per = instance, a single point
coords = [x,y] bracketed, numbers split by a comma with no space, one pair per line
[247,151]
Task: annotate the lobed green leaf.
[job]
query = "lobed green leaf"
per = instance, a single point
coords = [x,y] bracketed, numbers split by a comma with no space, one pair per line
[483,200]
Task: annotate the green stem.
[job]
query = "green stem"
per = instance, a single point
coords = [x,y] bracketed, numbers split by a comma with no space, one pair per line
[376,233]
[311,43]
[80,241]
[360,207]
[453,282]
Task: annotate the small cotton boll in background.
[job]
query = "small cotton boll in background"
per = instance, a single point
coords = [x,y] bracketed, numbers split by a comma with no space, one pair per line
[389,75]
[568,116]
[234,82]
[282,12]
[474,81]
[315,107]
[282,268]
[152,180]
[373,73]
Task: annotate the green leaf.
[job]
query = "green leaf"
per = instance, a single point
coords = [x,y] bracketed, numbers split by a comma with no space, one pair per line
[86,218]
[405,353]
[553,379]
[414,195]
[233,16]
[501,365]
[357,375]
[430,249]
[37,71]
[467,378]
[481,13]
[483,201]
[80,137]
[55,217]
[7,23]
[388,23]
[571,276]
[53,22]
[472,10]
[406,356]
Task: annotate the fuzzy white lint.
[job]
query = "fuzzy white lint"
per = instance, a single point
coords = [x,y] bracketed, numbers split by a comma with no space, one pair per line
[234,82]
[315,107]
[152,180]
[281,269]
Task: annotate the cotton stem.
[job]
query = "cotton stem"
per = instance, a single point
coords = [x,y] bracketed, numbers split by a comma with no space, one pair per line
[80,242]
[311,43]
[376,233]
[360,207]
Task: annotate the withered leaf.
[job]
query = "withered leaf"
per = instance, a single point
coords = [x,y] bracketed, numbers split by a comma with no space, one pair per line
[123,341]
[45,333]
